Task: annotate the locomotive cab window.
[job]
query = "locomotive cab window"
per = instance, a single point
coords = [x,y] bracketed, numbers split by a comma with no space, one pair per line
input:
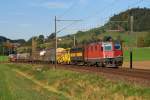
[117,46]
[107,47]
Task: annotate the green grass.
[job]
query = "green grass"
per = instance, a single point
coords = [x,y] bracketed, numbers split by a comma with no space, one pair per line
[16,87]
[79,86]
[3,58]
[139,54]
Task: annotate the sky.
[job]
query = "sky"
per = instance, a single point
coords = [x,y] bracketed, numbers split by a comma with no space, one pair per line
[22,19]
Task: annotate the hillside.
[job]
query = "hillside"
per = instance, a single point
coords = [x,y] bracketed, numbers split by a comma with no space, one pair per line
[4,39]
[141,28]
[7,44]
[141,19]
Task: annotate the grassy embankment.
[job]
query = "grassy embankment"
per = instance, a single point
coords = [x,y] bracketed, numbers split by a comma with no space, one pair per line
[67,84]
[3,58]
[13,86]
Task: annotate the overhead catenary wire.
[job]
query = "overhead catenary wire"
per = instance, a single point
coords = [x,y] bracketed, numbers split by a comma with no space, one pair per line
[73,5]
[64,13]
[67,11]
[104,8]
[98,12]
[65,27]
[112,3]
[108,6]
[90,16]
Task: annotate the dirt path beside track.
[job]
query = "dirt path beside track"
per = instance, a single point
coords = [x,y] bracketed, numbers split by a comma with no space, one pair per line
[138,65]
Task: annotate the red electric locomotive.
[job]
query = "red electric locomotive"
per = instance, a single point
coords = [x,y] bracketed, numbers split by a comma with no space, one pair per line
[107,54]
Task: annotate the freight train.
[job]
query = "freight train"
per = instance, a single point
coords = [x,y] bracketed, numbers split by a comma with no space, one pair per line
[104,54]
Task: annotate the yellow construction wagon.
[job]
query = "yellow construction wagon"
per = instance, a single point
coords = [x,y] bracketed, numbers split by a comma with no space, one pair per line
[63,56]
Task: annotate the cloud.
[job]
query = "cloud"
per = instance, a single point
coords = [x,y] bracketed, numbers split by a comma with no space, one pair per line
[52,5]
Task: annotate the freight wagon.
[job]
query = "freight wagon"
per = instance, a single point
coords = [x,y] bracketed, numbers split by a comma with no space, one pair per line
[77,56]
[25,57]
[63,56]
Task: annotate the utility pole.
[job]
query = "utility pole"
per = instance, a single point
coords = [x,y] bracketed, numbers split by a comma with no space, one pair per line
[132,19]
[34,48]
[58,20]
[55,42]
[74,41]
[131,49]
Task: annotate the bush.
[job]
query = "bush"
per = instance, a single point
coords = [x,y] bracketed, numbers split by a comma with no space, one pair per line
[140,42]
[147,40]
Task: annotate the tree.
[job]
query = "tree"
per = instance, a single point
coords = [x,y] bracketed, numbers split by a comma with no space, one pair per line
[29,42]
[141,19]
[40,39]
[107,38]
[52,36]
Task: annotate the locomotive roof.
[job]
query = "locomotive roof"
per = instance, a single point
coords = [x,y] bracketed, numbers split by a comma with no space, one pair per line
[99,43]
[76,49]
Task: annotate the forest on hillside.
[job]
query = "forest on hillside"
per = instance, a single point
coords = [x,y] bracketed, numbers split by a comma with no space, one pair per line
[141,20]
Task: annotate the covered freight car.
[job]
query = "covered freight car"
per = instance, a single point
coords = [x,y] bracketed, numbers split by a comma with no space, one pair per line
[24,57]
[77,55]
[41,56]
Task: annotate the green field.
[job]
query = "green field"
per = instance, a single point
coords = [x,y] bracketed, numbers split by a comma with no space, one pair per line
[3,58]
[139,54]
[22,82]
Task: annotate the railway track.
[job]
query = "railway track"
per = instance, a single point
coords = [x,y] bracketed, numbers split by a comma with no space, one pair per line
[137,73]
[139,76]
[131,76]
